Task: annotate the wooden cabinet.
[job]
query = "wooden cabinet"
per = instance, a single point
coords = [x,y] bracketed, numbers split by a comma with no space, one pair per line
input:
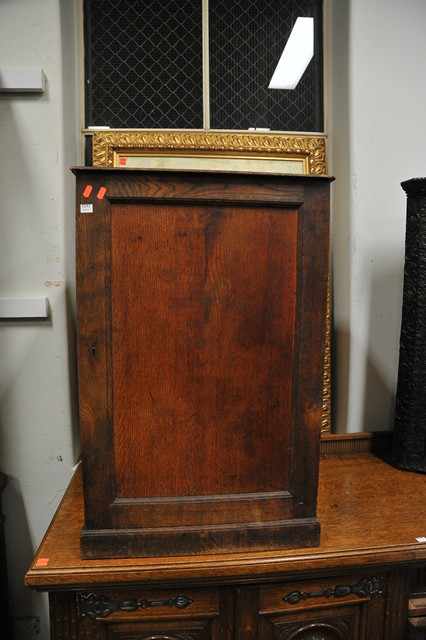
[354,586]
[201,312]
[351,607]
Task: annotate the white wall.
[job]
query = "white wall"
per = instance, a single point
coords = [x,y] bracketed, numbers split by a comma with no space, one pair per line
[38,141]
[377,101]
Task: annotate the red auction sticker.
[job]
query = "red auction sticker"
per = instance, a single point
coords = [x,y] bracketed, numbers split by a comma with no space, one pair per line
[87,190]
[101,193]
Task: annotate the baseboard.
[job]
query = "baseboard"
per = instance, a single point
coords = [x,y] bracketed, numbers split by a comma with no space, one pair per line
[378,442]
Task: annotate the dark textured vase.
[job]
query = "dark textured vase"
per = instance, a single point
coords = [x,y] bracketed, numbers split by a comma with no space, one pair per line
[409,444]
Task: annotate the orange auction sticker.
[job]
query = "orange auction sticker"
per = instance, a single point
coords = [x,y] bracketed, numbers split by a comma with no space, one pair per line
[87,190]
[101,193]
[42,562]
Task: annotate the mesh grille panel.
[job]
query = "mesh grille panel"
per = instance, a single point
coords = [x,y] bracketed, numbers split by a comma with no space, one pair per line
[246,41]
[144,63]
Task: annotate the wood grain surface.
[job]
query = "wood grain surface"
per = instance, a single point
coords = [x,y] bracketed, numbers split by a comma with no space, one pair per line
[203,309]
[371,514]
[201,323]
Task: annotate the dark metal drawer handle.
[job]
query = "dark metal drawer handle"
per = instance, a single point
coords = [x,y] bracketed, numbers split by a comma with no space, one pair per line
[101,606]
[366,588]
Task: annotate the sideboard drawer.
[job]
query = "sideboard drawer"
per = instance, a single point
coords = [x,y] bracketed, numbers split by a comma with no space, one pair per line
[138,604]
[135,613]
[324,592]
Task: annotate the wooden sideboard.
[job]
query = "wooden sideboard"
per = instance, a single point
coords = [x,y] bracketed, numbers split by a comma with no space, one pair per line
[354,586]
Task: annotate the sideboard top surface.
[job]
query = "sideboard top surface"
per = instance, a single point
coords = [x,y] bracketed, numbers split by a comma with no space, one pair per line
[371,514]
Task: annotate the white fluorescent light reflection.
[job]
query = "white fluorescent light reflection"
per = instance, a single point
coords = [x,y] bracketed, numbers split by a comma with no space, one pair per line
[297,54]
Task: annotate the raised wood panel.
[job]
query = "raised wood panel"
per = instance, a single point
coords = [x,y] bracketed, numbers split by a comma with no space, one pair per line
[343,623]
[203,326]
[180,630]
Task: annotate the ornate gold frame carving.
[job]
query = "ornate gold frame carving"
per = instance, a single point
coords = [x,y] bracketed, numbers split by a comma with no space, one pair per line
[326,379]
[106,145]
[312,148]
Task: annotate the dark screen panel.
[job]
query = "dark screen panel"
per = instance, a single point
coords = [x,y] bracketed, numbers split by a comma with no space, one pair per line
[144,63]
[246,41]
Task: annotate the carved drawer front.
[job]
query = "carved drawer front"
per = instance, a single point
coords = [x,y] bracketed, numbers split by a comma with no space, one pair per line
[140,614]
[328,592]
[338,623]
[141,603]
[343,608]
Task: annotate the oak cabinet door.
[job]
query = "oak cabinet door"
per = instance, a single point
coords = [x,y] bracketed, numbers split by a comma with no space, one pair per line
[343,608]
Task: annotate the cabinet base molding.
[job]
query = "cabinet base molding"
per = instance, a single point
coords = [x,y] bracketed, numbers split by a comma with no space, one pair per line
[119,543]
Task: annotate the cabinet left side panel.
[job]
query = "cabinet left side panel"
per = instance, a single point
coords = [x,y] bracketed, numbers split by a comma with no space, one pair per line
[94,362]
